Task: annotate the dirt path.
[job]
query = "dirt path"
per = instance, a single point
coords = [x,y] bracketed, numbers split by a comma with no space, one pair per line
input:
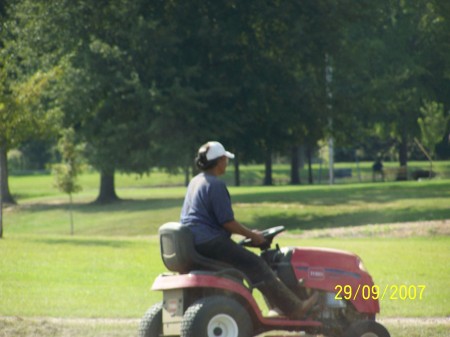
[112,327]
[404,229]
[135,321]
[409,321]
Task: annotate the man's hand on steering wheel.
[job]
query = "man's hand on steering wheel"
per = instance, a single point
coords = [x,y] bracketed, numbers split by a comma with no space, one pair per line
[257,238]
[253,239]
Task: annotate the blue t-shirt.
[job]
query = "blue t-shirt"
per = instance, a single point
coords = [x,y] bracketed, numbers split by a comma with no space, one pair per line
[207,206]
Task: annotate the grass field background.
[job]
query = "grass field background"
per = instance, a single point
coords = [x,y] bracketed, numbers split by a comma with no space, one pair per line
[43,210]
[111,277]
[107,268]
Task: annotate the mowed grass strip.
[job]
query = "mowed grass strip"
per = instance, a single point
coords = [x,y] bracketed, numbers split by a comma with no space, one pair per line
[144,209]
[77,277]
[89,277]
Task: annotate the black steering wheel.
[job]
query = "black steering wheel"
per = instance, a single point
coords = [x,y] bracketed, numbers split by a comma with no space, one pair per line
[268,234]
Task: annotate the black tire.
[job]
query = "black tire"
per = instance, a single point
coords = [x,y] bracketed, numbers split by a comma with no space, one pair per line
[216,316]
[366,329]
[151,323]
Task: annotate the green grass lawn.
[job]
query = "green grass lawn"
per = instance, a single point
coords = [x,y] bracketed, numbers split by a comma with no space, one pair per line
[107,268]
[110,277]
[77,277]
[42,210]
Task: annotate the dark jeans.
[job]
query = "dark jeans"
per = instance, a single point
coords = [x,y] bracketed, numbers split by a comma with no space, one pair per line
[256,269]
[226,250]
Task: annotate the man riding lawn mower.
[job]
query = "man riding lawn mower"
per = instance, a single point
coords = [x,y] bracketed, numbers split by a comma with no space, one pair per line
[212,295]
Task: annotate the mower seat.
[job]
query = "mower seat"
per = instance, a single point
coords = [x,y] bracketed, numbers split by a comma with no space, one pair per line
[178,251]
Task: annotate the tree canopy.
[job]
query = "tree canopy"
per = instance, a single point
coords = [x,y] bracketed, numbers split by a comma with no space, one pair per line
[143,84]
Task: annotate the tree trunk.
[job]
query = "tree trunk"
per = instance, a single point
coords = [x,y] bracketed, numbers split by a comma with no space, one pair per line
[268,169]
[1,217]
[187,175]
[403,157]
[295,166]
[310,173]
[1,206]
[71,214]
[403,151]
[4,186]
[331,160]
[237,173]
[107,189]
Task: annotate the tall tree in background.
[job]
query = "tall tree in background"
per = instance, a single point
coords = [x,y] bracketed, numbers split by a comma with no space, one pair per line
[3,98]
[433,124]
[437,63]
[191,80]
[107,52]
[400,82]
[26,109]
[226,85]
[107,87]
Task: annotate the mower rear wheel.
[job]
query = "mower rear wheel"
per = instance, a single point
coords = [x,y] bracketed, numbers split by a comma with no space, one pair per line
[366,329]
[151,323]
[216,316]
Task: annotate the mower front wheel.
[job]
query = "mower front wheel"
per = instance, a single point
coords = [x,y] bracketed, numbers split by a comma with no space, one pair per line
[151,323]
[366,329]
[216,316]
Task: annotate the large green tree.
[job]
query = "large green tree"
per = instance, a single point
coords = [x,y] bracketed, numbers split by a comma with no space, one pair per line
[437,63]
[26,111]
[226,84]
[399,79]
[107,52]
[108,87]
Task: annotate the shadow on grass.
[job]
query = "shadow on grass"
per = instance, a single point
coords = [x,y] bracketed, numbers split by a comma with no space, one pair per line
[298,222]
[85,242]
[334,195]
[323,196]
[123,205]
[328,197]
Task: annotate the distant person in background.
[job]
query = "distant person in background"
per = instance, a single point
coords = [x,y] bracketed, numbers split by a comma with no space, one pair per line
[377,170]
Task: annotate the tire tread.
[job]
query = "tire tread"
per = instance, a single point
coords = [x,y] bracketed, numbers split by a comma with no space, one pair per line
[148,326]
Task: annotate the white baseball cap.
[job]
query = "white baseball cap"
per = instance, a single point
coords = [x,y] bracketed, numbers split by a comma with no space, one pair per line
[216,150]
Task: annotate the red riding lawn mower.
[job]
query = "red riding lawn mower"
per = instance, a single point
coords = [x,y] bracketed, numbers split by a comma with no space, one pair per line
[206,298]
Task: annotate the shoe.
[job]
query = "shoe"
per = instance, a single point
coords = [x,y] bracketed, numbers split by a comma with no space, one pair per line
[275,312]
[306,305]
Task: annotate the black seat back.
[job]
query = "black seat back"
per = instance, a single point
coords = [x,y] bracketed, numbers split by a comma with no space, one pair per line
[178,251]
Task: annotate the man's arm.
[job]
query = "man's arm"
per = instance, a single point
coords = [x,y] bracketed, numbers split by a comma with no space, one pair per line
[235,227]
